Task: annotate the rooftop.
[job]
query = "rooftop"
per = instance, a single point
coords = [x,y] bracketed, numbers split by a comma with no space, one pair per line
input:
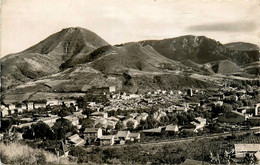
[91,130]
[122,133]
[171,127]
[134,135]
[107,137]
[247,147]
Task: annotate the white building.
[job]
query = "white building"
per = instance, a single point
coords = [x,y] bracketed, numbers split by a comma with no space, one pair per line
[242,149]
[200,125]
[69,102]
[30,106]
[11,107]
[39,105]
[257,109]
[4,111]
[54,102]
[107,140]
[112,89]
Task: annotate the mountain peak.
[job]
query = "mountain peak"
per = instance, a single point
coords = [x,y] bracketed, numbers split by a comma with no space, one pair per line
[46,57]
[76,29]
[69,41]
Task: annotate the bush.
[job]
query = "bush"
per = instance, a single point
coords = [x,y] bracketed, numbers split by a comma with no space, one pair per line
[16,153]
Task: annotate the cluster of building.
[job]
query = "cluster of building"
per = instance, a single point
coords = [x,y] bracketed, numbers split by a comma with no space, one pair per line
[32,105]
[92,135]
[168,102]
[172,129]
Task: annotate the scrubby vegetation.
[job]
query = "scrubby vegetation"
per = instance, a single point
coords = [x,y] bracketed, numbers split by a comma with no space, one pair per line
[172,153]
[16,153]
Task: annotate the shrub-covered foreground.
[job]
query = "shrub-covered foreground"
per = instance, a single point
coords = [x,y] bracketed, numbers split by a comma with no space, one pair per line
[16,153]
[171,153]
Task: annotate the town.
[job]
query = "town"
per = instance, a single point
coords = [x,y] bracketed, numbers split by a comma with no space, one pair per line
[109,118]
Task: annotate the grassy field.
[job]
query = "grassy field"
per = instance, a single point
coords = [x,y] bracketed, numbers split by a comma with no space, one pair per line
[16,153]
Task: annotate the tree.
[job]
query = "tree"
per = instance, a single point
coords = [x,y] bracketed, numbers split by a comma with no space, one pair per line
[63,126]
[182,119]
[98,125]
[143,124]
[173,119]
[154,109]
[87,123]
[28,133]
[222,109]
[226,108]
[87,111]
[64,112]
[72,108]
[42,130]
[130,125]
[119,126]
[151,122]
[164,120]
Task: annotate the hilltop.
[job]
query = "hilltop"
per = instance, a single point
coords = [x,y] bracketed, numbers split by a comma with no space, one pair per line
[46,57]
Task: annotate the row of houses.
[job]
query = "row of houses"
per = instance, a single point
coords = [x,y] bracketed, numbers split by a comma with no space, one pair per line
[21,107]
[95,135]
[103,119]
[194,126]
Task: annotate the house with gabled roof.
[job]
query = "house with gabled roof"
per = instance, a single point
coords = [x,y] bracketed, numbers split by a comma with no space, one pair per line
[154,131]
[92,133]
[99,114]
[242,149]
[122,136]
[134,137]
[107,140]
[112,118]
[75,140]
[171,129]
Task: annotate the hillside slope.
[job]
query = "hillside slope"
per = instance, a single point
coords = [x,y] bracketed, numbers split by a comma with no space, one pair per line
[46,57]
[74,60]
[130,67]
[242,46]
[198,49]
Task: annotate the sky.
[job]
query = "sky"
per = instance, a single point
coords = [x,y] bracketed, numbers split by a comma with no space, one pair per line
[26,22]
